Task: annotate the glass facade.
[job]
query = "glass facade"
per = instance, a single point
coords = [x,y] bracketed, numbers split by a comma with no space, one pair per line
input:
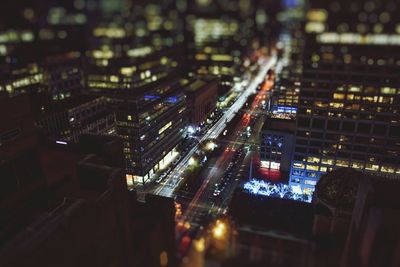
[348,114]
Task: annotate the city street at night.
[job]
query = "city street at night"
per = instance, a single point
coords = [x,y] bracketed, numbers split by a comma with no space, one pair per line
[200,133]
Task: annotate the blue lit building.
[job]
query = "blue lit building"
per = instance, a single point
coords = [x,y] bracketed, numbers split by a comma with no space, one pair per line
[277,142]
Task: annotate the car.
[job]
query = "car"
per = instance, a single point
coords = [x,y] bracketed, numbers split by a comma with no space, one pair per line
[216,193]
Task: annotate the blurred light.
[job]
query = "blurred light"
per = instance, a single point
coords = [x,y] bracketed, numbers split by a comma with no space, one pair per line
[192,161]
[263,188]
[163,258]
[219,230]
[199,244]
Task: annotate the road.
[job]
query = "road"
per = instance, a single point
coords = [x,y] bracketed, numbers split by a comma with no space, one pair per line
[174,179]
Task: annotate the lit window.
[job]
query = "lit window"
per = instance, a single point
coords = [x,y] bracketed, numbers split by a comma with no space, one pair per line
[312,167]
[357,165]
[372,167]
[336,105]
[298,165]
[338,96]
[318,15]
[313,159]
[387,169]
[388,91]
[342,163]
[354,89]
[327,161]
[129,117]
[310,182]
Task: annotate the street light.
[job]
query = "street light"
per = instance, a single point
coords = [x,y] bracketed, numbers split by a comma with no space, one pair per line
[192,161]
[219,230]
[211,146]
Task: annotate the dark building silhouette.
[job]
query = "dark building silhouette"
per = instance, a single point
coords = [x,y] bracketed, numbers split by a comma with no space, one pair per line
[201,100]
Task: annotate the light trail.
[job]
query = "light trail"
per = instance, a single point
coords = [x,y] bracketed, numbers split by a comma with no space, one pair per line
[190,214]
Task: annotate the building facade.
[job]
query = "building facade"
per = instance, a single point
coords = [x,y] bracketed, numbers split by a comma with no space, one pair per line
[349,101]
[202,98]
[84,114]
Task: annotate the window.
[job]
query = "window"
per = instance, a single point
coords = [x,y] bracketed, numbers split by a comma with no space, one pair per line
[364,128]
[348,126]
[338,96]
[312,167]
[310,182]
[298,165]
[333,125]
[318,123]
[380,129]
[327,161]
[388,91]
[342,163]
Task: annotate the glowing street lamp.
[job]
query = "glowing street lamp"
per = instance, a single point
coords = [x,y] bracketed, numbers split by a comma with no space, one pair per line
[219,230]
[211,146]
[192,161]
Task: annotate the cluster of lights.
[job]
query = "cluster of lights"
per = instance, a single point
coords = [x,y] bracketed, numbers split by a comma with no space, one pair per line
[219,230]
[263,188]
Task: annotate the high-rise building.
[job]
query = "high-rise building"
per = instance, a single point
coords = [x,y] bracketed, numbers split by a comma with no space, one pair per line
[349,103]
[215,44]
[149,101]
[202,95]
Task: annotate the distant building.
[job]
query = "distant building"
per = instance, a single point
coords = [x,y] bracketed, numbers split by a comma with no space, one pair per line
[217,52]
[202,96]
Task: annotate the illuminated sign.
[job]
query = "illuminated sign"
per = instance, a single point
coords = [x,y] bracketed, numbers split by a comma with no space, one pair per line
[284,109]
[264,188]
[270,165]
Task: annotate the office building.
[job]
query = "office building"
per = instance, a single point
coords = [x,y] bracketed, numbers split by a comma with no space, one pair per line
[202,95]
[83,114]
[149,101]
[277,141]
[348,112]
[215,44]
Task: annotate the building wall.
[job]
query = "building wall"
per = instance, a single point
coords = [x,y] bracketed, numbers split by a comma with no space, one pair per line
[202,102]
[349,98]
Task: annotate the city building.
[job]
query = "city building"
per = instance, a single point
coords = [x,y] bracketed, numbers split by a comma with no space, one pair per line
[215,44]
[355,218]
[84,114]
[149,101]
[79,212]
[202,95]
[22,182]
[349,100]
[277,141]
[374,238]
[271,231]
